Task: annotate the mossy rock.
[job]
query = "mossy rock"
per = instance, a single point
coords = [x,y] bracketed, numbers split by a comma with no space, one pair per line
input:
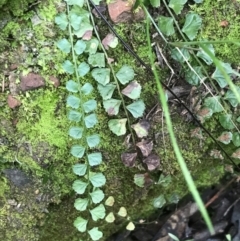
[34,138]
[221,22]
[42,149]
[15,7]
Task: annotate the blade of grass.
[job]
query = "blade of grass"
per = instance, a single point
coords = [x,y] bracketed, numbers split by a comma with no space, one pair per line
[206,86]
[181,44]
[126,46]
[219,66]
[177,151]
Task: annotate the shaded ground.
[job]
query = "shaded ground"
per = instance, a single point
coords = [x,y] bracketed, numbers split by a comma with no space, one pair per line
[185,222]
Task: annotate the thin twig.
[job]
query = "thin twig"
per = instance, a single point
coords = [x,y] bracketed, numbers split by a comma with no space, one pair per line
[166,62]
[229,208]
[217,195]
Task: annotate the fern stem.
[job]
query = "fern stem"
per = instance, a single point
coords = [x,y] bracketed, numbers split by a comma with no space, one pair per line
[217,63]
[177,151]
[81,104]
[75,69]
[194,55]
[113,73]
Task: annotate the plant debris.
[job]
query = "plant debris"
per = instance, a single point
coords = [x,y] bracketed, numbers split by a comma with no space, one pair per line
[129,158]
[141,128]
[186,223]
[152,161]
[145,147]
[110,41]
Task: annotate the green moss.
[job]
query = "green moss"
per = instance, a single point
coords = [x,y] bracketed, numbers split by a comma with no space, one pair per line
[120,180]
[41,109]
[3,187]
[45,29]
[2,2]
[16,7]
[22,212]
[47,138]
[213,13]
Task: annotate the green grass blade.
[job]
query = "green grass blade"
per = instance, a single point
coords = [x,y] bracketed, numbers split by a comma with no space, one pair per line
[219,66]
[177,151]
[182,44]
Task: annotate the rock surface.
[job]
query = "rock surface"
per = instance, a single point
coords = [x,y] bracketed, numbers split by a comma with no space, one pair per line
[31,81]
[13,102]
[25,207]
[55,81]
[120,12]
[13,86]
[17,177]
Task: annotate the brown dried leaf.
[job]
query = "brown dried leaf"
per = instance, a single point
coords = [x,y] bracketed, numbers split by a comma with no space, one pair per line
[110,41]
[204,111]
[236,154]
[87,35]
[129,158]
[204,114]
[147,180]
[225,137]
[197,132]
[216,154]
[224,23]
[141,128]
[152,161]
[145,147]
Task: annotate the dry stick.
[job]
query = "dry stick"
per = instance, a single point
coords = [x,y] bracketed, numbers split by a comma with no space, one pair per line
[166,62]
[217,195]
[169,89]
[230,207]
